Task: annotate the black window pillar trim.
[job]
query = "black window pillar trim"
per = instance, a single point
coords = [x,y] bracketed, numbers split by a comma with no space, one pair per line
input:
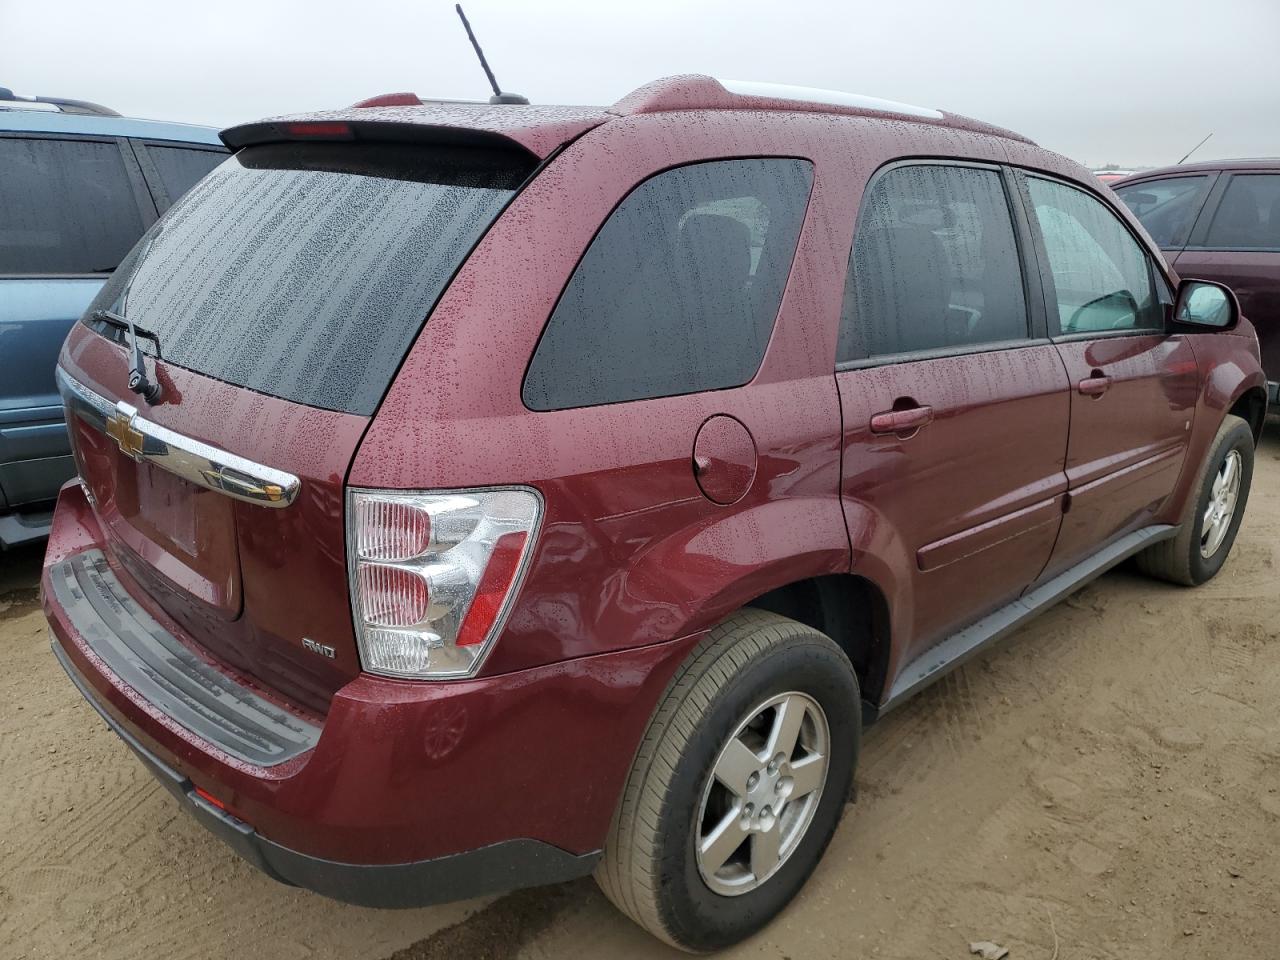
[159,194]
[1037,257]
[141,195]
[1030,262]
[1183,237]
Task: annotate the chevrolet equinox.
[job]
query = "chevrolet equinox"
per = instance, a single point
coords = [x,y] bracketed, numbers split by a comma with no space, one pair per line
[477,496]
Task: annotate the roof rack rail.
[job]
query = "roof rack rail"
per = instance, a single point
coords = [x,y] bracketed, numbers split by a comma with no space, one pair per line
[79,106]
[701,92]
[61,104]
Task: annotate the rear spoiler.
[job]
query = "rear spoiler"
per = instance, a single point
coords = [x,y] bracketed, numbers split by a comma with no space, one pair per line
[283,131]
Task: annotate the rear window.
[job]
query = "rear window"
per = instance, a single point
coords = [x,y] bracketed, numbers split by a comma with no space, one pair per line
[679,290]
[304,271]
[181,168]
[1165,207]
[66,206]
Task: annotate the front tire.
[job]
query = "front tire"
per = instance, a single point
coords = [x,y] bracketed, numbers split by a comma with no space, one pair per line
[1212,518]
[738,785]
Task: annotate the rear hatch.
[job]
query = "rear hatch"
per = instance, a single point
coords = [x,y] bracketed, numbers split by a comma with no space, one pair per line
[274,303]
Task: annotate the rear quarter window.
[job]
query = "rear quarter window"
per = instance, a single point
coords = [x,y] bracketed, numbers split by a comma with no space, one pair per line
[679,290]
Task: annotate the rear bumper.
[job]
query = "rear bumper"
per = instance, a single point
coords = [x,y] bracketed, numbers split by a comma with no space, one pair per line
[138,651]
[500,866]
[410,793]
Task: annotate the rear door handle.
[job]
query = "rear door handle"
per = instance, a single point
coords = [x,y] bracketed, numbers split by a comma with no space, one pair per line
[901,421]
[1094,386]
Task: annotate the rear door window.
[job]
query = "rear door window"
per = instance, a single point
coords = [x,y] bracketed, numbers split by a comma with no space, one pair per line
[935,265]
[305,270]
[1101,276]
[181,168]
[679,290]
[1167,208]
[1248,216]
[66,207]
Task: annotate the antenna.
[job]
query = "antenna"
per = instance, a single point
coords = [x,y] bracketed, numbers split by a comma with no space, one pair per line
[498,95]
[1189,152]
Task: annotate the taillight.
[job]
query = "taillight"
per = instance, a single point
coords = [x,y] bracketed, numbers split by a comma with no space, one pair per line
[433,575]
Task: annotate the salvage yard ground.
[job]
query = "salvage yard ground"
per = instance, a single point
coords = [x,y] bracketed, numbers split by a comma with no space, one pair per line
[1105,785]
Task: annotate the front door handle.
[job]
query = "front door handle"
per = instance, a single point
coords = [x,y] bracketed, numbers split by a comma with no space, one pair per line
[901,421]
[1095,385]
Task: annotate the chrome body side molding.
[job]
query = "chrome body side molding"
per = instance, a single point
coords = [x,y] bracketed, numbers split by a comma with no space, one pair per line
[192,460]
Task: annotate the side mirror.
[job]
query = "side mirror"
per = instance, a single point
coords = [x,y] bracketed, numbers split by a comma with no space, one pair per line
[1140,201]
[1206,305]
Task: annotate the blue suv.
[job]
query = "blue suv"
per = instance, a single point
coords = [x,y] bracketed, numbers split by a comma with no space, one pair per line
[80,184]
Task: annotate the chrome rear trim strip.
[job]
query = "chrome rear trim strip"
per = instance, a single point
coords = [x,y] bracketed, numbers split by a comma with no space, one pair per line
[192,460]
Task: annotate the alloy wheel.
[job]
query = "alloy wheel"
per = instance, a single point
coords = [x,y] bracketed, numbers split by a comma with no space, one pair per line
[761,797]
[1222,505]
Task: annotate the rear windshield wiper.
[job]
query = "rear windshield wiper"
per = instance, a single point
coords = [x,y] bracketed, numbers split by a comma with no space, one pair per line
[138,381]
[109,316]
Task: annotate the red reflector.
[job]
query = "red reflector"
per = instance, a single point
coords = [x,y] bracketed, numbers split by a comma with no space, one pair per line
[391,100]
[209,798]
[495,584]
[333,129]
[206,795]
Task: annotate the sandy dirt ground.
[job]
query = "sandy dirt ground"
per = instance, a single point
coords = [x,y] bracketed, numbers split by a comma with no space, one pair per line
[1105,785]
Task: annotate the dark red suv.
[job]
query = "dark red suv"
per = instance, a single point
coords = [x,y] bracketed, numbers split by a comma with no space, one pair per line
[480,496]
[1220,220]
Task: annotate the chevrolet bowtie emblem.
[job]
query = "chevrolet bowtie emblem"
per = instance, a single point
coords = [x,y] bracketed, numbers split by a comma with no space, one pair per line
[120,429]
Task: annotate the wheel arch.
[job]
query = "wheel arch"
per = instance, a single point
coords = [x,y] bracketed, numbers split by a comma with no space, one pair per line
[1231,385]
[853,611]
[1251,406]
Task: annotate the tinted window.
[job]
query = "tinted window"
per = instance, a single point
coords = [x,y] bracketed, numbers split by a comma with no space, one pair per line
[1249,214]
[66,206]
[1101,275]
[180,169]
[679,290]
[305,271]
[1165,207]
[935,264]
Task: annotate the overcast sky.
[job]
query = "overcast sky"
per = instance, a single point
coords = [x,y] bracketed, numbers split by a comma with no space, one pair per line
[1134,82]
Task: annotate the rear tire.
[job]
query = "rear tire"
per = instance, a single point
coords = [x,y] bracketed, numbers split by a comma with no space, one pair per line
[788,695]
[1201,547]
